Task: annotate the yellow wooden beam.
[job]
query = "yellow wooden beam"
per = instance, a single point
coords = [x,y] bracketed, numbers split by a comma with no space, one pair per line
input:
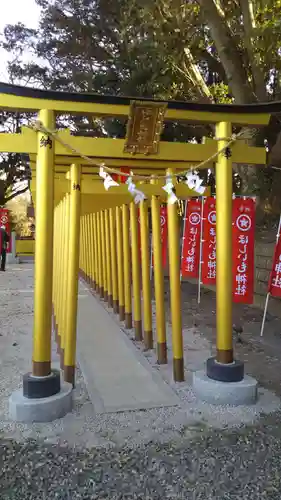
[168,151]
[241,149]
[90,203]
[154,168]
[94,187]
[104,149]
[16,102]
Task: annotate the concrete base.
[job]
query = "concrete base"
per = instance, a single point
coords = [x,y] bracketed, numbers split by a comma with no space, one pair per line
[22,409]
[26,258]
[11,259]
[225,393]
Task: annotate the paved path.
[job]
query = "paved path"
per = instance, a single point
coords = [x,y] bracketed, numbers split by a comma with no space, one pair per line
[117,377]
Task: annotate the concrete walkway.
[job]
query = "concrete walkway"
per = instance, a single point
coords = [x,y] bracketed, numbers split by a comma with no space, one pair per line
[117,376]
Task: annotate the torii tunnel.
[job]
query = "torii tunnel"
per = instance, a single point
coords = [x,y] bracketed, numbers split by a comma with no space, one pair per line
[84,230]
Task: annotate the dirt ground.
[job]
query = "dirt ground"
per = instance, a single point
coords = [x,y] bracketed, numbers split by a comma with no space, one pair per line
[262,356]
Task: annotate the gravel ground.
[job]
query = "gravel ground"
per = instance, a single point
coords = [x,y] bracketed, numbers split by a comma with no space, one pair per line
[194,451]
[242,464]
[262,356]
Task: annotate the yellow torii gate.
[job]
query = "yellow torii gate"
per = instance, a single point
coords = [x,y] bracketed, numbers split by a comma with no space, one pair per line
[72,205]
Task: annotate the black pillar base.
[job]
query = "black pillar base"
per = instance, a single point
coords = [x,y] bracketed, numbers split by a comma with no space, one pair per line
[41,387]
[231,372]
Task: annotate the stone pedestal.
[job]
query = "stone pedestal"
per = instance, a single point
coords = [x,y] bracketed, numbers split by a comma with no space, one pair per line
[215,392]
[23,409]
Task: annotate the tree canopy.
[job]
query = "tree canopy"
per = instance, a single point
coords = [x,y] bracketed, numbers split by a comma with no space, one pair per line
[14,167]
[172,49]
[204,50]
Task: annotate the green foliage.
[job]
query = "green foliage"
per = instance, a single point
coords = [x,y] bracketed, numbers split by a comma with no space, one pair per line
[18,208]
[14,167]
[220,93]
[223,51]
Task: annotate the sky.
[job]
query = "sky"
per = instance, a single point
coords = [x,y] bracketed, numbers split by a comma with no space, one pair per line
[14,11]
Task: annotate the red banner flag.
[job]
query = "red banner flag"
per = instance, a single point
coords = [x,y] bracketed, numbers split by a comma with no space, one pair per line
[208,269]
[243,244]
[274,285]
[164,235]
[191,240]
[4,221]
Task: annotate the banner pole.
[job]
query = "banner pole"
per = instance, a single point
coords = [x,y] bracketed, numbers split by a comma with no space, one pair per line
[200,252]
[183,235]
[268,294]
[264,313]
[278,230]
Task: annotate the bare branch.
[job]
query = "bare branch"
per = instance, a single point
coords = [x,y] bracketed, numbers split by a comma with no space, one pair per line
[198,79]
[16,193]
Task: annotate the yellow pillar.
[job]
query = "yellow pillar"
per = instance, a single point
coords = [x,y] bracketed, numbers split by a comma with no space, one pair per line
[90,252]
[108,258]
[85,247]
[127,266]
[146,286]
[113,261]
[119,240]
[72,282]
[175,290]
[87,250]
[136,271]
[101,269]
[84,239]
[103,255]
[82,247]
[80,259]
[94,270]
[224,248]
[96,252]
[55,251]
[42,331]
[158,281]
[64,263]
[59,273]
[54,255]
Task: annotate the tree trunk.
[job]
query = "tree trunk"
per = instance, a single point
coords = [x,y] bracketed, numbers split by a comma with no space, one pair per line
[257,74]
[228,53]
[264,182]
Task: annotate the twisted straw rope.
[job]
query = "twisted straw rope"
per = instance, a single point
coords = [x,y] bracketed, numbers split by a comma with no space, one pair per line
[39,127]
